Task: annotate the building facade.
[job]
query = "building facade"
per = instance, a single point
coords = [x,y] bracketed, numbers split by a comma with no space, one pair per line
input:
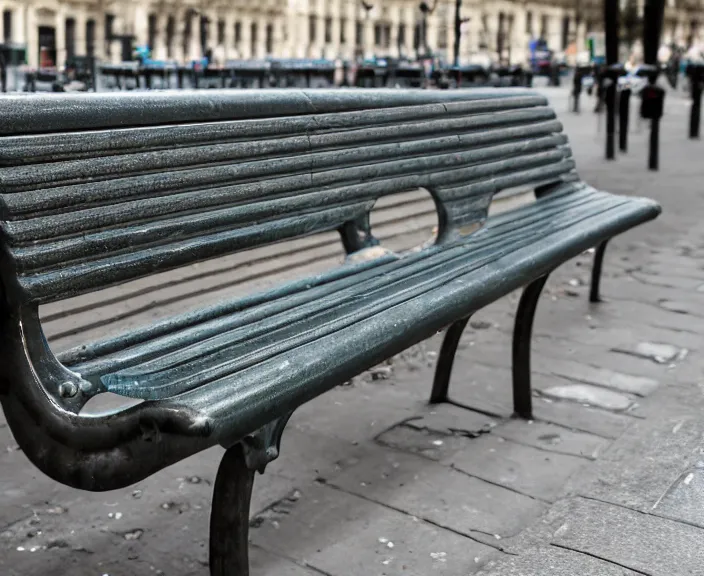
[184,30]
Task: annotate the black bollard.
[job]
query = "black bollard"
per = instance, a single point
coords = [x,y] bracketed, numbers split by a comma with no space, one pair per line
[652,105]
[610,79]
[345,72]
[3,69]
[576,89]
[654,155]
[610,89]
[695,116]
[624,109]
[696,78]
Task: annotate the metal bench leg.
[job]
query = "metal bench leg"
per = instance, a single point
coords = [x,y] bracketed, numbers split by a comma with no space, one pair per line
[229,518]
[522,331]
[443,370]
[594,295]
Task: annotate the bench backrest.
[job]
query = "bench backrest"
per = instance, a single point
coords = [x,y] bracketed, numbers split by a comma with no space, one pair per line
[97,189]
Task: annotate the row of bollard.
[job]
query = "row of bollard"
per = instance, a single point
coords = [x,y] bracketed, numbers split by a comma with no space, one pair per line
[651,108]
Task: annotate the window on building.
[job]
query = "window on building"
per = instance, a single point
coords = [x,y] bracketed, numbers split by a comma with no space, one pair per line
[90,37]
[529,23]
[312,21]
[151,31]
[417,34]
[442,18]
[170,31]
[328,30]
[401,35]
[500,34]
[204,36]
[343,30]
[359,33]
[544,26]
[269,39]
[484,33]
[253,38]
[442,36]
[221,32]
[7,25]
[565,32]
[70,37]
[187,31]
[238,34]
[109,25]
[377,34]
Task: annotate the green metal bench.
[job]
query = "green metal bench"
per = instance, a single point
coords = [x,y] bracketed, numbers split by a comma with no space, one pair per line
[99,189]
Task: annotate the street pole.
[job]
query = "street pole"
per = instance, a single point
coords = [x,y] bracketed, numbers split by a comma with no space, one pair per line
[696,76]
[652,94]
[458,31]
[611,9]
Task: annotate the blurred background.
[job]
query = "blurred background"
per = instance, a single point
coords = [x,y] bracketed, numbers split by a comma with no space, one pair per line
[66,44]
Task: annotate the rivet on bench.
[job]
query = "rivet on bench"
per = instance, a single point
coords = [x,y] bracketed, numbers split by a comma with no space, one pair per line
[68,390]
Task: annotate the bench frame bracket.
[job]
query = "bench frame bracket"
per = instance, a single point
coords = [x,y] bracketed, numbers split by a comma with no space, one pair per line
[232,494]
[443,370]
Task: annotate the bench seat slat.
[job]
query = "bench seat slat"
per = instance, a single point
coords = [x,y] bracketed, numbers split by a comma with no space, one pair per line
[180,332]
[248,399]
[390,284]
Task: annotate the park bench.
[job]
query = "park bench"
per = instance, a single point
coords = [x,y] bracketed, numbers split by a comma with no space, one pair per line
[99,189]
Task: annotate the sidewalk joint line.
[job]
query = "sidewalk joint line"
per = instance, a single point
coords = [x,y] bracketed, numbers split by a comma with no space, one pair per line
[590,554]
[426,520]
[643,512]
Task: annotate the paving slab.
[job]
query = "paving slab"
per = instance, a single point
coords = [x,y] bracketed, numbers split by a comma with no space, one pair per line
[553,561]
[641,468]
[551,438]
[525,469]
[444,496]
[684,501]
[421,441]
[340,534]
[641,542]
[451,420]
[583,418]
[596,375]
[490,391]
[590,395]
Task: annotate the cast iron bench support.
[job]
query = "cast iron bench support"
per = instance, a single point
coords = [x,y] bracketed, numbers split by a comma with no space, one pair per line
[232,493]
[523,327]
[594,292]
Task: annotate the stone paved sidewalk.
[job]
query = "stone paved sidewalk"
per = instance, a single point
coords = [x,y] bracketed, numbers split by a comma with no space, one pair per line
[607,480]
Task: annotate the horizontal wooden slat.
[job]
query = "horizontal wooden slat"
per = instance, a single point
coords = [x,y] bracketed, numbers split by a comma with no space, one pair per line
[155,183]
[76,112]
[323,129]
[379,179]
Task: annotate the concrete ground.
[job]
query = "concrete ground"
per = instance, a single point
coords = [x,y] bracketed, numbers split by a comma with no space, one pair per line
[607,480]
